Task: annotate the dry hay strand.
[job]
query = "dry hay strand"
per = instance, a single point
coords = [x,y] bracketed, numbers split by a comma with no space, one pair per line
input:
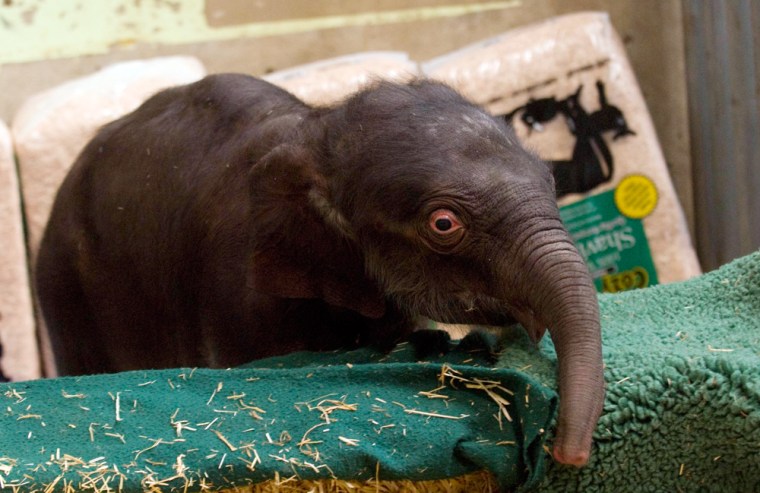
[493,389]
[476,482]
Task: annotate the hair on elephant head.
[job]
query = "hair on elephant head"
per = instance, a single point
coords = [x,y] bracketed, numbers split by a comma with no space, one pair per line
[226,220]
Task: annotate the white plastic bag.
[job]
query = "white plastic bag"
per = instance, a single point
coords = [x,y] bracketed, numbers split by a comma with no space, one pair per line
[328,81]
[20,360]
[569,90]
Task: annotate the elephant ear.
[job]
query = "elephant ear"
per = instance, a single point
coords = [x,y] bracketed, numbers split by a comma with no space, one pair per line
[301,245]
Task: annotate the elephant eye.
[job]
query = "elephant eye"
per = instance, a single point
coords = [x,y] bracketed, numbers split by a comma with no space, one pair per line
[444,222]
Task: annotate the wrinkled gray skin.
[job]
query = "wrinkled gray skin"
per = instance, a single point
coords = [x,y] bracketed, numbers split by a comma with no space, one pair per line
[226,220]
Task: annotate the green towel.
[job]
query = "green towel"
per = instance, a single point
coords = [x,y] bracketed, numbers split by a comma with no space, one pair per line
[352,415]
[682,411]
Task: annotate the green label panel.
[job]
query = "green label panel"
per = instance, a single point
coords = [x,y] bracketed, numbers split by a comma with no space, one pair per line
[613,245]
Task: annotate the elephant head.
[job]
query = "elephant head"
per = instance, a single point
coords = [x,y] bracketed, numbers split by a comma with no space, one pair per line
[445,212]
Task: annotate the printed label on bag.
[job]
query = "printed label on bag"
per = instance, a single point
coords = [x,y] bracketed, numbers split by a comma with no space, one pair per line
[611,237]
[636,196]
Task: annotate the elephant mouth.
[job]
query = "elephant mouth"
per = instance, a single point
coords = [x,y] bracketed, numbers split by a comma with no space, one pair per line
[479,309]
[471,309]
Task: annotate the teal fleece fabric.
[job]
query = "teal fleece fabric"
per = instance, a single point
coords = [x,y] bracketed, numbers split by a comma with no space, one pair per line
[351,415]
[682,411]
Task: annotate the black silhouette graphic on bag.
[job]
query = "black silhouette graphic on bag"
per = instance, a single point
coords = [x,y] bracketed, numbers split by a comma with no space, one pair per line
[591,163]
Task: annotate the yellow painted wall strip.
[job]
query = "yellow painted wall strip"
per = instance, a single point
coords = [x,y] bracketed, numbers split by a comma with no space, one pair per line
[48,29]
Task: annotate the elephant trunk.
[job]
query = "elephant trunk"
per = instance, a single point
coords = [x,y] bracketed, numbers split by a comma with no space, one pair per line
[555,290]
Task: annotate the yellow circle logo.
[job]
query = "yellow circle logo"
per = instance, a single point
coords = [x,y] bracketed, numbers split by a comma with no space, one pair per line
[636,196]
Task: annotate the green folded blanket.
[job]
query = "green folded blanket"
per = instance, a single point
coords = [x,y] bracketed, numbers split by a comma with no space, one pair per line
[682,411]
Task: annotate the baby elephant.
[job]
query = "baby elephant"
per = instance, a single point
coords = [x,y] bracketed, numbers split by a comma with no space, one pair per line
[226,220]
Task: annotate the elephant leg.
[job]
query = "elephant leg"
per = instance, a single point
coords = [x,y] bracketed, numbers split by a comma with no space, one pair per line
[68,317]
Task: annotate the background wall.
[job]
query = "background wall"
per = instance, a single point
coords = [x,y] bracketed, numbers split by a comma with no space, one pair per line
[45,42]
[723,56]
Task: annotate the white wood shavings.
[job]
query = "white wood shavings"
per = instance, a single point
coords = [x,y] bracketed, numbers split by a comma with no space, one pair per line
[718,350]
[279,458]
[6,465]
[251,464]
[254,411]
[249,449]
[151,483]
[527,395]
[91,430]
[224,440]
[120,436]
[156,443]
[95,475]
[204,486]
[179,425]
[378,409]
[435,415]
[208,424]
[326,408]
[492,388]
[117,404]
[352,442]
[433,394]
[15,394]
[72,396]
[218,389]
[384,427]
[305,441]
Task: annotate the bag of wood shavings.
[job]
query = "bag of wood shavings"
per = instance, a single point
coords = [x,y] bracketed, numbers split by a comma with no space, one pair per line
[569,91]
[52,127]
[19,359]
[326,82]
